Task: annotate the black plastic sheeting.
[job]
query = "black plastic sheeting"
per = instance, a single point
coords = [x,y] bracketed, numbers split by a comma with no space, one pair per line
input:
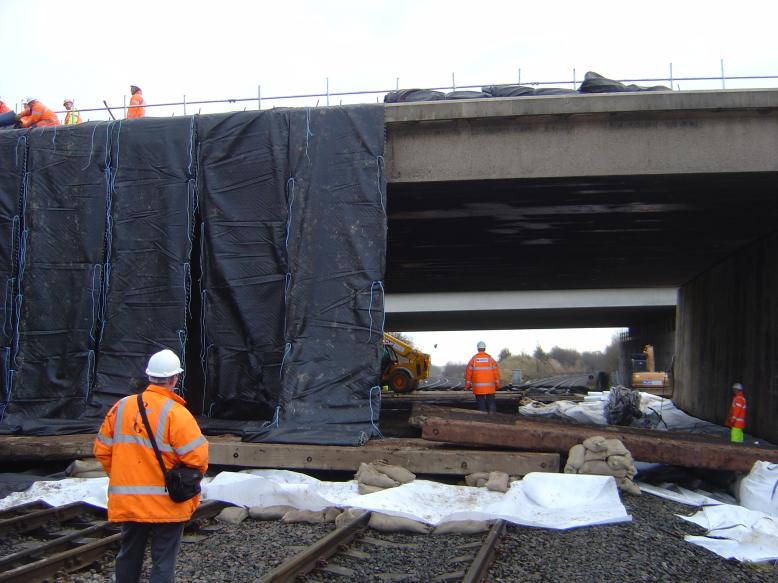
[252,243]
[592,83]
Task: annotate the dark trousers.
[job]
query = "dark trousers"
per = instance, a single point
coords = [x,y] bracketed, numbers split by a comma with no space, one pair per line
[486,403]
[165,542]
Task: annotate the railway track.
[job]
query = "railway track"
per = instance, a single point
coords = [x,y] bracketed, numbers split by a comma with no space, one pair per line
[327,559]
[68,538]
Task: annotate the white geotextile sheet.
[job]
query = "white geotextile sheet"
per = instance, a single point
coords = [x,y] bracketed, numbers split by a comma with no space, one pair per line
[558,501]
[734,532]
[592,410]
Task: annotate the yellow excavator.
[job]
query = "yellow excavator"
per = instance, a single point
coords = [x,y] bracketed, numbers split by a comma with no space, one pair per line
[403,366]
[644,373]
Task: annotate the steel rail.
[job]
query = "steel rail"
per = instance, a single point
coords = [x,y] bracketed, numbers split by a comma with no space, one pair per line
[483,560]
[33,520]
[82,555]
[316,554]
[20,509]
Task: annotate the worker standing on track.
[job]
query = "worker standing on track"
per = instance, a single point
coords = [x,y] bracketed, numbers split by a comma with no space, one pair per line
[36,115]
[137,106]
[137,492]
[737,414]
[482,375]
[73,116]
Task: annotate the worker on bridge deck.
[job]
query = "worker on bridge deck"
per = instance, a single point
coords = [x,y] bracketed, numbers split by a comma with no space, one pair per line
[482,375]
[737,414]
[35,115]
[137,106]
[7,115]
[138,494]
[73,116]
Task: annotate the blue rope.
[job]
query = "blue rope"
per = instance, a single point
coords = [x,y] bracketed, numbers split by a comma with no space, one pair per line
[91,147]
[380,284]
[290,194]
[287,350]
[308,132]
[96,273]
[19,141]
[373,416]
[191,145]
[182,343]
[90,367]
[379,173]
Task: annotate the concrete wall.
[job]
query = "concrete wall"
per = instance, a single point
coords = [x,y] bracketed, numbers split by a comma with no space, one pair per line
[727,330]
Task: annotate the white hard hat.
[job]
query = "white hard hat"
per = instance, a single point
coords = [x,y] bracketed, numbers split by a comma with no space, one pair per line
[164,364]
[29,99]
[481,345]
[737,387]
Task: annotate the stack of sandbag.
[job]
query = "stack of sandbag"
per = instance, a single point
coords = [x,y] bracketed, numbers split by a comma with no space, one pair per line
[494,481]
[603,457]
[379,475]
[86,468]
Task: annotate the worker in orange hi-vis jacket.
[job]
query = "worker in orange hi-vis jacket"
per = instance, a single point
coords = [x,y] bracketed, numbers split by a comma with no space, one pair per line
[138,494]
[482,375]
[737,414]
[137,107]
[3,107]
[36,115]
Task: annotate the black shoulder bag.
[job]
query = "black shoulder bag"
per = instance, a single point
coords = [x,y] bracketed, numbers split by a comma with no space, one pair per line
[181,482]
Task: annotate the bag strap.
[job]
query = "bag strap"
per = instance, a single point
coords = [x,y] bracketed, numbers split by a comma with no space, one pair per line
[142,409]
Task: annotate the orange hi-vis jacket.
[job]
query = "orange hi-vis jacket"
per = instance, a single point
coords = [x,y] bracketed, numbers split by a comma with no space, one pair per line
[136,487]
[136,108]
[3,107]
[737,412]
[38,116]
[483,373]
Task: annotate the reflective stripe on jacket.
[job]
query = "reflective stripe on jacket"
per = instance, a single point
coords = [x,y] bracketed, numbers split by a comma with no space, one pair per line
[483,373]
[136,108]
[72,117]
[38,115]
[136,487]
[737,412]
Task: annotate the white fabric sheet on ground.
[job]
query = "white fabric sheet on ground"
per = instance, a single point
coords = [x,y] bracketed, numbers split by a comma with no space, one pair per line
[759,489]
[661,412]
[558,501]
[735,532]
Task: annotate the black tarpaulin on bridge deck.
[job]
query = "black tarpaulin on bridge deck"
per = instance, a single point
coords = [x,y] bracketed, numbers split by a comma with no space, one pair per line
[253,243]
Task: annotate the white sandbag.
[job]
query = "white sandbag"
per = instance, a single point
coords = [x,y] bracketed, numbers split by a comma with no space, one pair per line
[396,473]
[386,523]
[307,516]
[368,475]
[615,447]
[366,489]
[576,458]
[233,515]
[330,514]
[759,489]
[84,465]
[595,456]
[481,482]
[348,515]
[472,479]
[463,527]
[601,469]
[628,486]
[595,443]
[269,512]
[621,462]
[92,474]
[498,482]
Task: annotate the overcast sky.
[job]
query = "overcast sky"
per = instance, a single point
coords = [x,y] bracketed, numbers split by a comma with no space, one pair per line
[93,50]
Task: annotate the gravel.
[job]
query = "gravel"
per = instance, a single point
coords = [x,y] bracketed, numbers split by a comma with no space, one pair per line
[650,548]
